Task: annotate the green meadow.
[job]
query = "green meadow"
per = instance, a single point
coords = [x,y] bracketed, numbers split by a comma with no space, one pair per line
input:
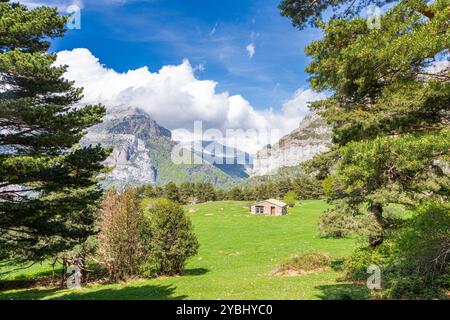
[238,253]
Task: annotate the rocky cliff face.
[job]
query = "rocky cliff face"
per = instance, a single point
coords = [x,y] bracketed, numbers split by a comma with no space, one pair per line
[137,123]
[127,132]
[312,137]
[142,153]
[232,161]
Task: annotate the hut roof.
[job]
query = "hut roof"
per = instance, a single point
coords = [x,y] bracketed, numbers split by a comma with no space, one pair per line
[276,202]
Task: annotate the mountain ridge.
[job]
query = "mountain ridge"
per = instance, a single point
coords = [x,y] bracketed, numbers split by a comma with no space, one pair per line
[313,136]
[142,151]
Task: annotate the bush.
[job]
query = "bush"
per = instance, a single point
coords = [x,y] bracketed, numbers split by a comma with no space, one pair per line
[171,241]
[424,247]
[305,263]
[356,265]
[119,240]
[426,239]
[414,261]
[327,186]
[290,198]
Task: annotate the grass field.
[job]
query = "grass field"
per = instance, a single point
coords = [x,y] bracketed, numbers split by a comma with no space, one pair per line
[238,252]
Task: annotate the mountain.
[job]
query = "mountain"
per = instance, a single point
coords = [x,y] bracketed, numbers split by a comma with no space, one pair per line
[142,153]
[232,161]
[313,136]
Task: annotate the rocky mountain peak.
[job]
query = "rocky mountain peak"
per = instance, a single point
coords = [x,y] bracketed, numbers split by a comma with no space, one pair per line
[142,152]
[313,136]
[136,122]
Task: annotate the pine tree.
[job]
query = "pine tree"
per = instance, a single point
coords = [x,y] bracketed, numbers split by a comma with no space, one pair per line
[146,191]
[48,187]
[389,110]
[186,191]
[306,12]
[205,192]
[221,195]
[171,192]
[283,186]
[236,194]
[390,104]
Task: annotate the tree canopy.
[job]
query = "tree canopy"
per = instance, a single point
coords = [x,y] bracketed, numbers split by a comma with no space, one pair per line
[389,102]
[389,108]
[48,186]
[305,13]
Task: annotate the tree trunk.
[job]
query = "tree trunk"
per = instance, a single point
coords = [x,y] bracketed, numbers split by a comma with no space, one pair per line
[422,8]
[64,271]
[377,210]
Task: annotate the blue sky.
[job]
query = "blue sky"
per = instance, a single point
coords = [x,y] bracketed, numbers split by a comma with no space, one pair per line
[235,64]
[212,34]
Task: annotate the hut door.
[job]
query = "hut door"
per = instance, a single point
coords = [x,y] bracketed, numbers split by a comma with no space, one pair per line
[272,211]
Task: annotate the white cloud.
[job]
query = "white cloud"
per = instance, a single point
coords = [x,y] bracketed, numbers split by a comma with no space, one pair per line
[251,49]
[175,98]
[214,29]
[61,5]
[298,105]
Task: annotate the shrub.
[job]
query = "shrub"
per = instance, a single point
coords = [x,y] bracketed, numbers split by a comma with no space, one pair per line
[424,247]
[426,239]
[356,265]
[414,260]
[327,186]
[171,240]
[305,263]
[119,240]
[290,198]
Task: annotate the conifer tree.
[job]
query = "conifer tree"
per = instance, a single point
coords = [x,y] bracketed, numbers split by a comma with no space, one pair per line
[171,192]
[48,187]
[390,101]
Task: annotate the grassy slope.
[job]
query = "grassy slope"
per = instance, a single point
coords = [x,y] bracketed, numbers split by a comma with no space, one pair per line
[238,251]
[167,171]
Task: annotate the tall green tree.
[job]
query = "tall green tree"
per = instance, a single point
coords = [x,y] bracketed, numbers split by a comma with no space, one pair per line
[147,191]
[290,198]
[236,194]
[389,108]
[390,102]
[283,186]
[187,191]
[205,192]
[48,187]
[305,13]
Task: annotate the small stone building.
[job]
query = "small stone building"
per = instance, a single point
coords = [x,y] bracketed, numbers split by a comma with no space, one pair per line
[270,207]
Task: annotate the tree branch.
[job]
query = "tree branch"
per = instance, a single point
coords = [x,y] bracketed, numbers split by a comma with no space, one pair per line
[421,7]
